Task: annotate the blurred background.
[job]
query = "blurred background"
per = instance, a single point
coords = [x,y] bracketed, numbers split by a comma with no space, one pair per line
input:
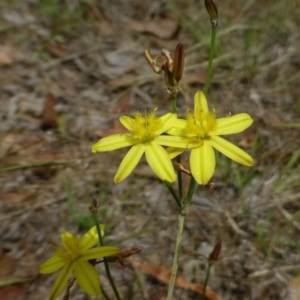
[70,69]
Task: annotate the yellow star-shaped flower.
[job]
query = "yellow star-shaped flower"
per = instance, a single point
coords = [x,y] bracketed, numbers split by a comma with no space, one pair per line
[74,257]
[203,131]
[145,136]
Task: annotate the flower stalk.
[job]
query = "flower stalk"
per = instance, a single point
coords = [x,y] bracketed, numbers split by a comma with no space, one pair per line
[181,218]
[106,264]
[213,257]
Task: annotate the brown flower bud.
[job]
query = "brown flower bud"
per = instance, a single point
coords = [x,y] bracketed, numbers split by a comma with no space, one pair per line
[178,62]
[212,11]
[214,254]
[169,80]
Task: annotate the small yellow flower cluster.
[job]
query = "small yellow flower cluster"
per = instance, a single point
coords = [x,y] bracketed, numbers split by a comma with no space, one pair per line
[200,132]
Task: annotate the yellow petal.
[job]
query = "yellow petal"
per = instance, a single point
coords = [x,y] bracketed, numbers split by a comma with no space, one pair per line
[231,125]
[202,163]
[129,162]
[100,252]
[178,128]
[51,265]
[61,281]
[173,141]
[232,151]
[127,122]
[160,162]
[167,122]
[90,238]
[173,152]
[113,142]
[87,277]
[200,103]
[65,237]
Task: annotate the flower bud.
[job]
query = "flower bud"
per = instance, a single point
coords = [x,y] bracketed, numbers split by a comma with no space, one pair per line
[178,62]
[169,79]
[214,254]
[212,11]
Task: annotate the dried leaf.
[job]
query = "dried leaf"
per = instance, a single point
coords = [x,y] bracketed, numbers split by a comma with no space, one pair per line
[49,117]
[294,290]
[194,78]
[57,50]
[124,102]
[13,292]
[15,197]
[5,59]
[162,28]
[247,141]
[163,275]
[6,266]
[124,81]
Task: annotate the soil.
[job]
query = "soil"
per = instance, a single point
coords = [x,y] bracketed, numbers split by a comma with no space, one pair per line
[70,69]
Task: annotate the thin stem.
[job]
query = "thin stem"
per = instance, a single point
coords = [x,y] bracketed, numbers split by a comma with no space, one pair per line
[179,179]
[211,57]
[181,218]
[104,293]
[106,264]
[174,105]
[191,190]
[169,186]
[206,282]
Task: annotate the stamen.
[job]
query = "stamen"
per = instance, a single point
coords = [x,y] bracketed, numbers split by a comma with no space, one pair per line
[201,123]
[145,127]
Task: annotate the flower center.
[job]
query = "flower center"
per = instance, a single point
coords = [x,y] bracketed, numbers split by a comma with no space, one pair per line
[73,249]
[145,127]
[200,123]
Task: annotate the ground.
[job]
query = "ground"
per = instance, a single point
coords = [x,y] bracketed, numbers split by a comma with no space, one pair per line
[70,69]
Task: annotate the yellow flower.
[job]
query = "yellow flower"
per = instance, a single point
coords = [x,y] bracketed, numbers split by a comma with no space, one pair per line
[203,131]
[74,258]
[145,137]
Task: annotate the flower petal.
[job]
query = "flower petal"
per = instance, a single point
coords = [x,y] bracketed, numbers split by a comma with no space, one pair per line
[202,163]
[129,162]
[61,281]
[232,151]
[127,122]
[178,128]
[167,122]
[231,125]
[113,142]
[200,103]
[52,264]
[100,252]
[87,277]
[173,141]
[65,237]
[173,152]
[90,238]
[160,162]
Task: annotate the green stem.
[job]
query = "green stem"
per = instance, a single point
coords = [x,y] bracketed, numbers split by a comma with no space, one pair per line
[169,186]
[104,293]
[106,264]
[206,282]
[211,57]
[179,179]
[191,190]
[174,105]
[181,218]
